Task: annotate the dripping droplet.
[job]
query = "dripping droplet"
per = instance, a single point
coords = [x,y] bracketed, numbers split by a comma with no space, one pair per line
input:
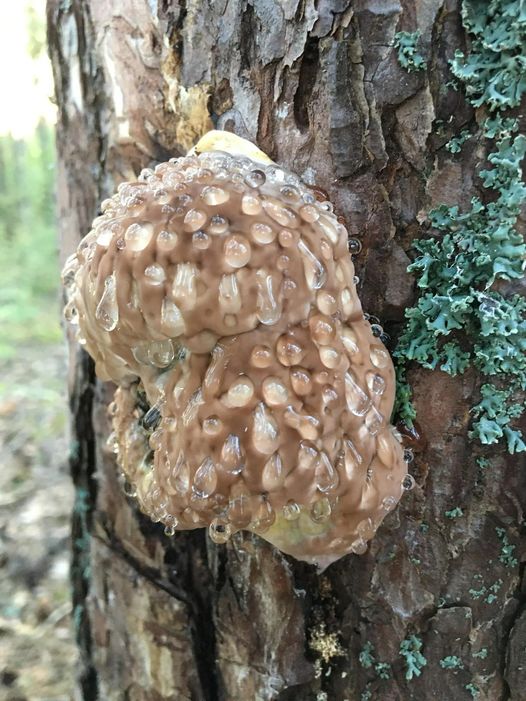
[358,402]
[355,246]
[272,476]
[220,531]
[205,479]
[326,476]
[291,511]
[268,308]
[263,516]
[232,455]
[172,322]
[321,510]
[408,483]
[315,273]
[265,434]
[107,311]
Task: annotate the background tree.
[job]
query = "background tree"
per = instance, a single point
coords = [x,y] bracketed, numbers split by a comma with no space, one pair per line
[359,96]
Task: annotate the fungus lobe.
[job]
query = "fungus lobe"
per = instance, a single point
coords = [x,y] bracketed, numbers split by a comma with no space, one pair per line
[218,293]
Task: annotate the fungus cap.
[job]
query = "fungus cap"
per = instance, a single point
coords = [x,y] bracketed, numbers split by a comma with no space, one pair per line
[218,292]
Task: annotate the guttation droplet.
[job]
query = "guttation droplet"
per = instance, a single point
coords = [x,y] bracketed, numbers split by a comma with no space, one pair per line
[273,475]
[172,321]
[274,391]
[237,251]
[229,294]
[138,236]
[220,531]
[265,434]
[321,510]
[268,303]
[408,483]
[107,311]
[326,476]
[215,195]
[291,511]
[263,516]
[358,402]
[315,273]
[232,455]
[205,479]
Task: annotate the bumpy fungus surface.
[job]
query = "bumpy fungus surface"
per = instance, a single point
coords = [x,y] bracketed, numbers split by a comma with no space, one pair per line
[218,293]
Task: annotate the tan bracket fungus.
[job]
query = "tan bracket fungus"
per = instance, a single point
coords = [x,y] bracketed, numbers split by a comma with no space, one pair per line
[218,292]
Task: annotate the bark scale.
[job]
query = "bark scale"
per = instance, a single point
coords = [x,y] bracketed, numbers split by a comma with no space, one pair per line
[319,87]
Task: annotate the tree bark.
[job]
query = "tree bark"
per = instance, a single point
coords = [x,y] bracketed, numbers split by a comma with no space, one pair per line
[318,86]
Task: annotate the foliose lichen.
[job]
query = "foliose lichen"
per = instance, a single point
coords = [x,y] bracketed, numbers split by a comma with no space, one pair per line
[410,650]
[408,56]
[451,662]
[367,659]
[462,318]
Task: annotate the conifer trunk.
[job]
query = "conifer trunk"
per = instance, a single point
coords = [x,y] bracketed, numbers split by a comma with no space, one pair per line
[318,85]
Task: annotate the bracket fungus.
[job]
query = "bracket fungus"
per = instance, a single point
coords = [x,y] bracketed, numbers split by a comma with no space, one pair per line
[218,293]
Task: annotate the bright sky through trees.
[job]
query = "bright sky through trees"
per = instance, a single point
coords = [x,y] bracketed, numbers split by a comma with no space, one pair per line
[25,81]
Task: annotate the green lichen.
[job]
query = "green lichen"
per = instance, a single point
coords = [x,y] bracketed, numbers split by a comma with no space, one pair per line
[366,656]
[451,662]
[473,690]
[494,72]
[454,513]
[408,56]
[489,594]
[410,650]
[507,551]
[368,660]
[366,694]
[454,145]
[481,654]
[461,319]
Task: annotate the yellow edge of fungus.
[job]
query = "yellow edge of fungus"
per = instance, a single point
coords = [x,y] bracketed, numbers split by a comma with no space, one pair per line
[230,143]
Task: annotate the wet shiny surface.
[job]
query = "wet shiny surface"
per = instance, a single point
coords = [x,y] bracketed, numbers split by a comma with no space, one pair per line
[222,291]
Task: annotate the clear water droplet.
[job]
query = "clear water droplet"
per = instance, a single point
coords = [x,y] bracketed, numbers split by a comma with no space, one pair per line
[326,476]
[274,391]
[237,251]
[214,196]
[155,274]
[375,383]
[321,510]
[291,511]
[268,303]
[408,483]
[172,322]
[256,178]
[194,219]
[205,479]
[250,204]
[220,531]
[315,272]
[138,236]
[358,402]
[265,434]
[184,287]
[273,475]
[229,294]
[232,455]
[263,516]
[107,312]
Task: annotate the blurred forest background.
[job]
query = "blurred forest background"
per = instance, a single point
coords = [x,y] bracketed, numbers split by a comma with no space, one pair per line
[37,652]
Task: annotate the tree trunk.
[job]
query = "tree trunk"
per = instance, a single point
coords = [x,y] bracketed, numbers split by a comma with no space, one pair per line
[318,86]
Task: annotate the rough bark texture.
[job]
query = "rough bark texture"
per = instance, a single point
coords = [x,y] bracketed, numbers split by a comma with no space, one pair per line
[319,87]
